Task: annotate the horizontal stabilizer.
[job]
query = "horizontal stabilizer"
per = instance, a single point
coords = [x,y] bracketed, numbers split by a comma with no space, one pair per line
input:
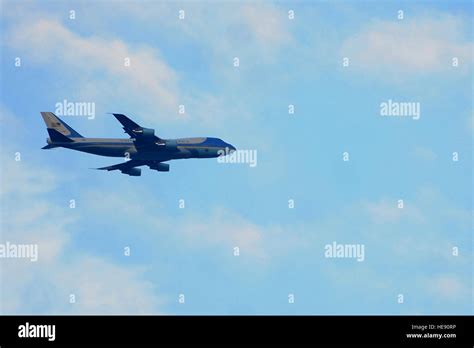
[49,146]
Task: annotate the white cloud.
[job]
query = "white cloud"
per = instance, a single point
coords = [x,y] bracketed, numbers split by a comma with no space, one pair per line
[92,68]
[387,211]
[266,23]
[220,228]
[226,229]
[87,59]
[7,117]
[263,27]
[20,178]
[415,243]
[447,287]
[425,153]
[101,287]
[415,46]
[30,215]
[470,123]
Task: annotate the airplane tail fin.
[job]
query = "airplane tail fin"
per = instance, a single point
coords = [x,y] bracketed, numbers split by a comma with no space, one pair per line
[59,131]
[57,137]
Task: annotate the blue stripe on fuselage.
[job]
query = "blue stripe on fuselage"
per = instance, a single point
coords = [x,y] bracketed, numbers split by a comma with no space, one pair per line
[213,142]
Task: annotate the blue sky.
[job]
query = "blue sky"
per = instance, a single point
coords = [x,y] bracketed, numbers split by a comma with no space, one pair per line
[190,251]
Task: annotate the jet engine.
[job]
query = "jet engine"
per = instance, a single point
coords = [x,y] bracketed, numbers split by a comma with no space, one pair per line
[161,167]
[133,171]
[171,144]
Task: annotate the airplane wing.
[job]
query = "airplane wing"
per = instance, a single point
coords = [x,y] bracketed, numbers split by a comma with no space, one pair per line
[128,167]
[124,166]
[128,125]
[140,134]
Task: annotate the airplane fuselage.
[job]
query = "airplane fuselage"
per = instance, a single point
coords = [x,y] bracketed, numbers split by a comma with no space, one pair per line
[171,149]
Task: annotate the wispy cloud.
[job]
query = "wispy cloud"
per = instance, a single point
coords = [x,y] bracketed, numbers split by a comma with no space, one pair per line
[425,154]
[220,229]
[95,66]
[258,27]
[447,287]
[89,59]
[470,122]
[31,215]
[410,47]
[387,211]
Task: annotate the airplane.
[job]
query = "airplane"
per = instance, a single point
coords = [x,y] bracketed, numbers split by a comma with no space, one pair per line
[143,147]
